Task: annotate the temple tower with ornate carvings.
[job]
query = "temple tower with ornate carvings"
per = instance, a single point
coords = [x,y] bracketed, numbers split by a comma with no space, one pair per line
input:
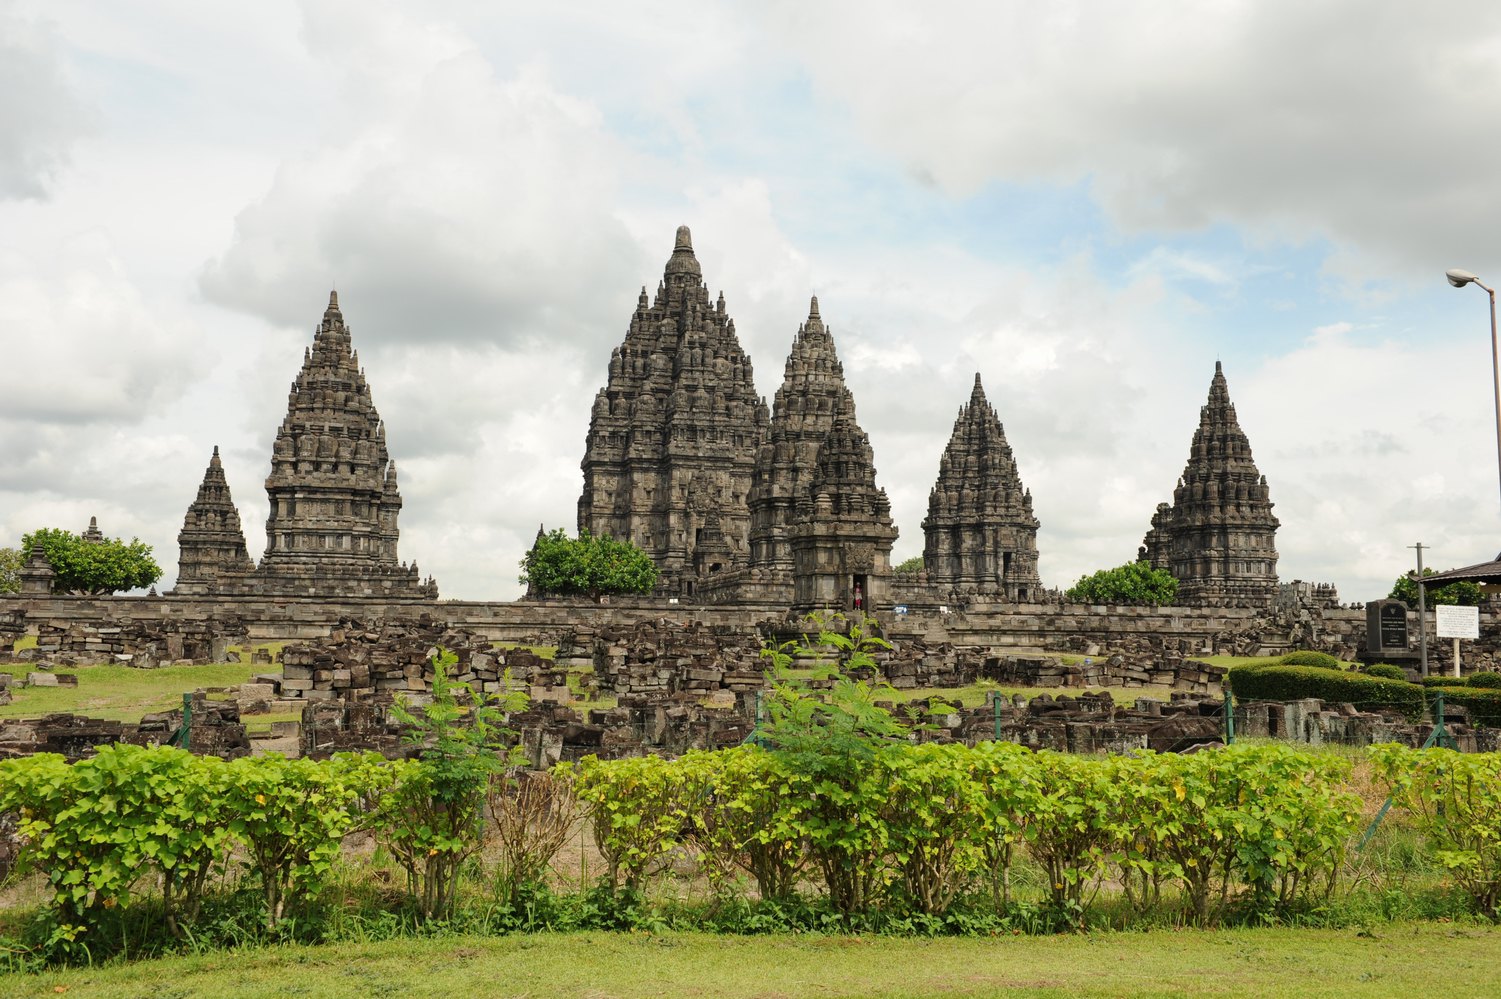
[842,531]
[674,432]
[332,529]
[980,534]
[211,542]
[1219,537]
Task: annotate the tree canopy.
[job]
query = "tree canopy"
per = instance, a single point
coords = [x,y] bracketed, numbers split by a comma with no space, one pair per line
[910,567]
[11,561]
[81,566]
[1132,583]
[558,565]
[1405,589]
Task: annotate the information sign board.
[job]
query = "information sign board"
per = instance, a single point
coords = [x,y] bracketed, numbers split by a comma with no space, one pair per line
[1457,622]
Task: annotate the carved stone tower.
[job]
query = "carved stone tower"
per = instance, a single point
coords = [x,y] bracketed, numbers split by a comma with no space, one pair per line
[334,499]
[980,533]
[812,393]
[211,541]
[842,533]
[674,432]
[1219,536]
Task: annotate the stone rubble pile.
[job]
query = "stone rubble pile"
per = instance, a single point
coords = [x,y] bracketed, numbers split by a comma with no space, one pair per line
[140,643]
[379,660]
[657,659]
[216,730]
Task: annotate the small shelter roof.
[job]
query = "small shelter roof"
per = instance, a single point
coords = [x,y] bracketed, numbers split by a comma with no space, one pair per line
[1480,572]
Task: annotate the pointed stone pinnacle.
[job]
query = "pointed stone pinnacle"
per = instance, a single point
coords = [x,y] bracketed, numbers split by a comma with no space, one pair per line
[684,240]
[813,308]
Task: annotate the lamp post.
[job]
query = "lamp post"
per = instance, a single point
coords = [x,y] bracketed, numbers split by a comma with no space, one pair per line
[1459,278]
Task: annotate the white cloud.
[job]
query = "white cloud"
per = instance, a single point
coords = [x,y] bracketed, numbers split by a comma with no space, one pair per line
[448,203]
[1359,123]
[40,114]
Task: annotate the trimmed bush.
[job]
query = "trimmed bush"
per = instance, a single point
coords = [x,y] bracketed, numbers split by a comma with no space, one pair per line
[1483,705]
[1487,680]
[1306,658]
[1292,683]
[1444,681]
[1386,671]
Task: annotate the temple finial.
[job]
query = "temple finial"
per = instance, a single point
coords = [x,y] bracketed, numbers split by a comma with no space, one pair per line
[813,308]
[684,240]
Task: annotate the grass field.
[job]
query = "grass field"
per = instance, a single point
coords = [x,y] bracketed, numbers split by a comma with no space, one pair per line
[120,693]
[1393,960]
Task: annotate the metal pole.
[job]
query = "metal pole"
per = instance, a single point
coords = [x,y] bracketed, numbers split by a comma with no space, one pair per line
[1229,716]
[1495,374]
[1422,611]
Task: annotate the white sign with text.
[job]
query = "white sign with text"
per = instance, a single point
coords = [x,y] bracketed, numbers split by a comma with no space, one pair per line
[1457,622]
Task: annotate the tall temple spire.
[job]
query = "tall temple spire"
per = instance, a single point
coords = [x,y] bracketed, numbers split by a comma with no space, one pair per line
[1219,536]
[677,419]
[812,394]
[211,543]
[980,533]
[332,488]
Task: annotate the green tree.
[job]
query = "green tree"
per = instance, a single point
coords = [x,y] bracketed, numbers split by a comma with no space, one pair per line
[92,566]
[1405,589]
[11,561]
[558,565]
[910,567]
[1132,583]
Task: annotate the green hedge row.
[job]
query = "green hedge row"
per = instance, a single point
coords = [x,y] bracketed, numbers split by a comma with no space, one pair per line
[1291,683]
[1483,705]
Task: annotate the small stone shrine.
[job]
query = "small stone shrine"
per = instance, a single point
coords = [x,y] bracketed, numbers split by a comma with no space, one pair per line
[980,534]
[211,540]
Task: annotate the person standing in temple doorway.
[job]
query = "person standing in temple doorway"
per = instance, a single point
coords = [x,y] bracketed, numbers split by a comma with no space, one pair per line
[859,598]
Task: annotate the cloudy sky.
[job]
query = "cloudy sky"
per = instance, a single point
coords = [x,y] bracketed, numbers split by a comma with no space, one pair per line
[1088,203]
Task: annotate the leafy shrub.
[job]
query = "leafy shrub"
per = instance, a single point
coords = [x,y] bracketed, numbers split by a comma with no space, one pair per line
[1457,799]
[1292,683]
[638,809]
[1487,680]
[292,816]
[737,824]
[935,812]
[1320,659]
[95,827]
[433,818]
[1386,671]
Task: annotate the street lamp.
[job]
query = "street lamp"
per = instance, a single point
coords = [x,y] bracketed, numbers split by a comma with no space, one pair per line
[1459,278]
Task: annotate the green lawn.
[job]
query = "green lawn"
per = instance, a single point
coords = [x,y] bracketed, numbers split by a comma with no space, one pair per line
[1394,959]
[120,693]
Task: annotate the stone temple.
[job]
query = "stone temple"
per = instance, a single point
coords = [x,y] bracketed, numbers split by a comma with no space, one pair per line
[803,412]
[1218,538]
[980,535]
[332,528]
[211,541]
[842,532]
[674,433]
